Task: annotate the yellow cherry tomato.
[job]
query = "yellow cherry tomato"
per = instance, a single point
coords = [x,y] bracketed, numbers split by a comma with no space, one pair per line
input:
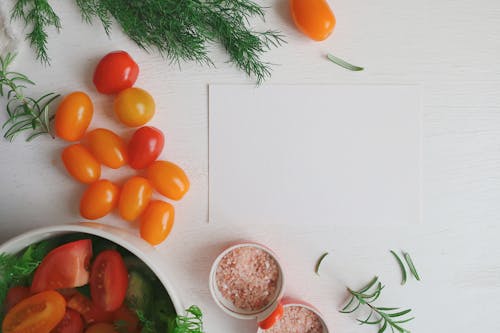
[99,199]
[73,116]
[157,221]
[134,198]
[101,328]
[168,179]
[313,17]
[81,164]
[134,107]
[108,148]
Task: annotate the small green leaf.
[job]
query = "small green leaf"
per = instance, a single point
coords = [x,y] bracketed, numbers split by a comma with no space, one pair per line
[413,270]
[383,327]
[369,285]
[318,263]
[399,314]
[401,266]
[343,63]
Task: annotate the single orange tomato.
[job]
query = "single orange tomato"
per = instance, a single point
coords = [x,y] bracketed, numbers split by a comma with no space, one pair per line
[81,164]
[134,107]
[313,17]
[39,313]
[108,148]
[99,199]
[134,198]
[73,116]
[168,179]
[101,328]
[157,221]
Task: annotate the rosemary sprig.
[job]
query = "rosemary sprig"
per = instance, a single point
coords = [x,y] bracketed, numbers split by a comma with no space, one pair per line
[318,263]
[383,317]
[401,266]
[25,113]
[40,16]
[343,63]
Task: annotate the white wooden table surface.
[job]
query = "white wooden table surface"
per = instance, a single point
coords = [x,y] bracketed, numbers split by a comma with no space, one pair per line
[450,47]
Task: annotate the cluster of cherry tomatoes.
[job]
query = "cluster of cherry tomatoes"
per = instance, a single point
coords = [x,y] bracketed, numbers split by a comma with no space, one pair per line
[116,74]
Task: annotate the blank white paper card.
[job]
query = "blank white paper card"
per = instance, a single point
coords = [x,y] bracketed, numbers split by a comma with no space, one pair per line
[321,154]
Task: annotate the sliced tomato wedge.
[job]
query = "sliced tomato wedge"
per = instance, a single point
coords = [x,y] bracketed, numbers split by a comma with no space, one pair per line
[91,314]
[16,295]
[36,314]
[71,323]
[108,280]
[64,267]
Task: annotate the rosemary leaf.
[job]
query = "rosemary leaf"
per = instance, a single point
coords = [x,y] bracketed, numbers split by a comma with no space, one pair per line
[401,266]
[413,270]
[318,263]
[343,63]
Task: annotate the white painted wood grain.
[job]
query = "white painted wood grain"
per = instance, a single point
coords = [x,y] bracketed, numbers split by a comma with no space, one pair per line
[450,47]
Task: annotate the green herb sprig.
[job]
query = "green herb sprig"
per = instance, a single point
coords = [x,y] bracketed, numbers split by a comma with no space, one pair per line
[40,16]
[178,30]
[25,113]
[382,316]
[192,322]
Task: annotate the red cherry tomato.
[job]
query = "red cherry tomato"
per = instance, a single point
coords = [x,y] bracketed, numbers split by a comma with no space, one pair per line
[71,323]
[99,199]
[108,281]
[89,311]
[115,72]
[73,116]
[65,266]
[39,313]
[168,179]
[145,147]
[16,295]
[134,198]
[81,164]
[129,322]
[134,107]
[157,221]
[108,148]
[313,17]
[273,318]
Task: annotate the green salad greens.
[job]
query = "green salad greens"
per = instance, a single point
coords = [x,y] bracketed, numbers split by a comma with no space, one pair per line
[145,293]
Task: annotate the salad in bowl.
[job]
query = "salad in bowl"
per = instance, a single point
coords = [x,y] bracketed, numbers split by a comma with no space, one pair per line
[87,278]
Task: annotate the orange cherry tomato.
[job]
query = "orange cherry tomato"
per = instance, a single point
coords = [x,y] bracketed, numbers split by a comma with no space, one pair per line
[108,148]
[134,107]
[157,221]
[313,17]
[73,116]
[134,198]
[101,328]
[99,199]
[81,164]
[273,318]
[36,314]
[168,179]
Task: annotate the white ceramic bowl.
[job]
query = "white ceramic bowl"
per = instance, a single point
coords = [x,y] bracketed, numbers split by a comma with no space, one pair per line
[122,237]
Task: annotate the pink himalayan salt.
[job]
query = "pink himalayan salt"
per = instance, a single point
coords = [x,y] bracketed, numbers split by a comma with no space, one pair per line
[248,277]
[297,319]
